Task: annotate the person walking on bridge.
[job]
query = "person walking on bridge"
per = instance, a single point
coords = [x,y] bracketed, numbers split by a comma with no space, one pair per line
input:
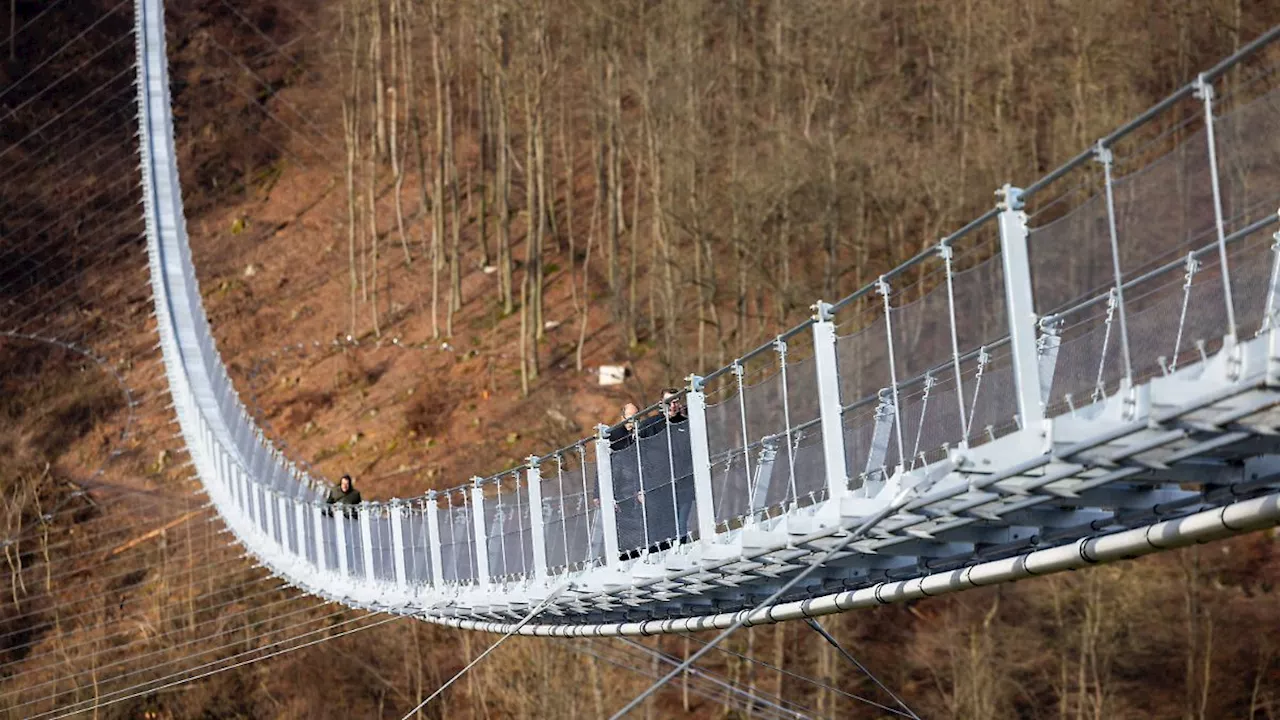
[345,494]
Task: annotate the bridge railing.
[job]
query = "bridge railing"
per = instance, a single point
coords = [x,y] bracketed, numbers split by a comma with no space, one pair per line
[1132,282]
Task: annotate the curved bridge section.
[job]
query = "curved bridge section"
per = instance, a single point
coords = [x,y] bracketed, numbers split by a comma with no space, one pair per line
[1035,393]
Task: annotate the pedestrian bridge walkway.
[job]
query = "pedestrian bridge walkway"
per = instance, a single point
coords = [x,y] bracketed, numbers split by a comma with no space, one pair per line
[1069,379]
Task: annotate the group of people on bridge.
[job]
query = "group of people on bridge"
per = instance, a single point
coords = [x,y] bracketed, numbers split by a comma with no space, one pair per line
[652,468]
[651,464]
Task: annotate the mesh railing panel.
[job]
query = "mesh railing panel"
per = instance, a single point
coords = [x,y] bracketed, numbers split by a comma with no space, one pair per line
[808,482]
[384,559]
[457,550]
[921,334]
[859,434]
[993,401]
[1165,209]
[667,468]
[1248,144]
[729,486]
[1252,265]
[290,528]
[586,541]
[624,461]
[329,535]
[309,532]
[981,316]
[1071,257]
[355,542]
[417,546]
[802,391]
[863,360]
[765,412]
[724,425]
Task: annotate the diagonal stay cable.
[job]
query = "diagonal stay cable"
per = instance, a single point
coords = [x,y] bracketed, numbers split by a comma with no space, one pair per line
[768,602]
[275,93]
[58,82]
[35,279]
[798,676]
[818,628]
[31,211]
[213,569]
[180,603]
[753,699]
[101,19]
[127,72]
[13,35]
[72,136]
[92,705]
[110,255]
[618,656]
[199,640]
[702,681]
[537,610]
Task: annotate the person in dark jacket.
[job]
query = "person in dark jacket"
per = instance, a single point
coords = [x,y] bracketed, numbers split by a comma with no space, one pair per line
[681,461]
[628,496]
[345,494]
[668,474]
[623,434]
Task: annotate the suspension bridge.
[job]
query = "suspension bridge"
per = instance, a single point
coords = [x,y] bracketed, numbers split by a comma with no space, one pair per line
[1095,388]
[1053,386]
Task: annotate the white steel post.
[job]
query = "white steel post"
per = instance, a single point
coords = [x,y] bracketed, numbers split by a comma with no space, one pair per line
[604,490]
[281,512]
[251,496]
[696,403]
[537,531]
[340,535]
[366,539]
[397,541]
[432,509]
[481,542]
[300,528]
[317,520]
[265,509]
[1020,305]
[827,367]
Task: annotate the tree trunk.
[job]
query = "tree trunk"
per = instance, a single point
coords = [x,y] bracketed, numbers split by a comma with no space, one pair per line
[438,169]
[398,24]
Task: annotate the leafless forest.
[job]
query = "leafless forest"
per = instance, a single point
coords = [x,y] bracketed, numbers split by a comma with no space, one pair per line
[546,186]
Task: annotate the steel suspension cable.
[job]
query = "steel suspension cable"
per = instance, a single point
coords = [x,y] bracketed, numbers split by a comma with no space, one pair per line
[818,628]
[132,659]
[537,610]
[101,19]
[127,72]
[701,683]
[209,568]
[742,618]
[56,83]
[53,715]
[183,603]
[798,676]
[12,36]
[750,697]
